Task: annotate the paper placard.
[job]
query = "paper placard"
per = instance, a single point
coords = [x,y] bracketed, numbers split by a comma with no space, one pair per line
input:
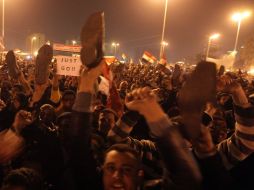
[68,66]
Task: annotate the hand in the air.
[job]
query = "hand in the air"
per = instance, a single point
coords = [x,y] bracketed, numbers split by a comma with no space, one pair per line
[144,101]
[22,119]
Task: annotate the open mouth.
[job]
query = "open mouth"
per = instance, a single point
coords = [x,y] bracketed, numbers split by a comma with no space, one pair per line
[118,186]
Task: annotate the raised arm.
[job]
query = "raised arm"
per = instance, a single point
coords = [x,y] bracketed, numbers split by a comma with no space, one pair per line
[82,162]
[55,93]
[177,158]
[25,84]
[241,144]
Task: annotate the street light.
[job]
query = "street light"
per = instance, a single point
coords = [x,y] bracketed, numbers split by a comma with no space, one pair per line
[35,53]
[238,17]
[32,43]
[74,42]
[3,11]
[212,37]
[115,45]
[163,28]
[163,45]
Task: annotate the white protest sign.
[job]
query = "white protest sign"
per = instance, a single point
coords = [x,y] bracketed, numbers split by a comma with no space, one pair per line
[68,66]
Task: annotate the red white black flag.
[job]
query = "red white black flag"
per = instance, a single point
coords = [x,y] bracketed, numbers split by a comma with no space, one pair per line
[148,57]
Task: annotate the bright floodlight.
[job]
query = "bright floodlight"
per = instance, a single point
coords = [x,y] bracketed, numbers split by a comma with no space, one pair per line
[34,38]
[251,71]
[115,44]
[164,43]
[246,14]
[240,15]
[214,36]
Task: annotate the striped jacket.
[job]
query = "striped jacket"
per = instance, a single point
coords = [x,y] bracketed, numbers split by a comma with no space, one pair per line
[147,149]
[241,144]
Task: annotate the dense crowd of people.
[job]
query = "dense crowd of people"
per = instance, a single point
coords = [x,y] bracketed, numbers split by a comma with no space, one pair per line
[67,134]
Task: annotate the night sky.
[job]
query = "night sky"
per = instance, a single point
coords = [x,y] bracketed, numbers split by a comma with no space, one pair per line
[135,24]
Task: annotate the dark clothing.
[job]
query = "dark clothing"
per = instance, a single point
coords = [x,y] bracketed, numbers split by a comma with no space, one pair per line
[42,152]
[215,175]
[83,165]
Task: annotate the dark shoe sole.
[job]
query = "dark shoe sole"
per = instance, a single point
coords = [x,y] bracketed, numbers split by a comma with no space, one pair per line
[198,89]
[92,40]
[43,59]
[11,61]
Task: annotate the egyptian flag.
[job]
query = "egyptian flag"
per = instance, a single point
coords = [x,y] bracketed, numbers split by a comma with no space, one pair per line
[110,59]
[148,57]
[106,71]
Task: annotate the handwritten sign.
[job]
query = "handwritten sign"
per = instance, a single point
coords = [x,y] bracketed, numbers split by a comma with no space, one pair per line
[68,66]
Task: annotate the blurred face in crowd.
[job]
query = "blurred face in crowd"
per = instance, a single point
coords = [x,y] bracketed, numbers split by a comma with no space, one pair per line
[47,114]
[15,102]
[120,171]
[123,86]
[68,101]
[106,122]
[14,91]
[166,83]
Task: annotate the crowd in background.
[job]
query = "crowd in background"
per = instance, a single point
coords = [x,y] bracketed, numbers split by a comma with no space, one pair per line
[67,134]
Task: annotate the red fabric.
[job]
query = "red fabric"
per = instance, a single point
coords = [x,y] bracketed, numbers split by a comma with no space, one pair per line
[114,101]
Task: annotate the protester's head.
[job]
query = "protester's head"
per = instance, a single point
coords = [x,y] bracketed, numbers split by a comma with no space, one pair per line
[22,179]
[6,85]
[166,83]
[47,114]
[19,101]
[122,168]
[63,122]
[225,101]
[123,86]
[68,99]
[107,120]
[218,130]
[133,86]
[17,88]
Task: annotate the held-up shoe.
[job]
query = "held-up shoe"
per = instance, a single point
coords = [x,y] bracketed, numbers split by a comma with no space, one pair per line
[92,39]
[198,89]
[221,70]
[43,59]
[11,61]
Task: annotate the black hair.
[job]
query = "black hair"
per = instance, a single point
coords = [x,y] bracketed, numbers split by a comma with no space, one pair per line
[19,87]
[109,110]
[23,177]
[23,99]
[68,92]
[124,148]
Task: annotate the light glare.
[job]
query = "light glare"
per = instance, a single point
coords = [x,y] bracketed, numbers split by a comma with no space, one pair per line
[214,36]
[241,15]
